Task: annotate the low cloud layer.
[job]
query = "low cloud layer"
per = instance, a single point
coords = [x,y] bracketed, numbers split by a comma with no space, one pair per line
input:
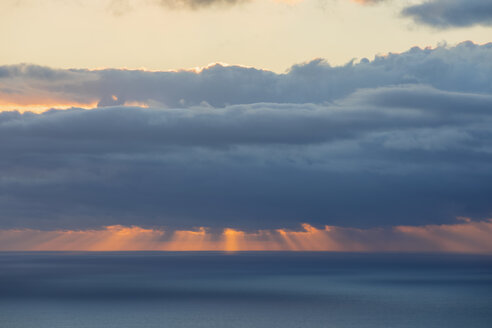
[464,68]
[403,140]
[451,13]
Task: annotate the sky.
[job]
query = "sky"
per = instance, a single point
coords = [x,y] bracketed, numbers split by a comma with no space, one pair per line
[267,34]
[246,125]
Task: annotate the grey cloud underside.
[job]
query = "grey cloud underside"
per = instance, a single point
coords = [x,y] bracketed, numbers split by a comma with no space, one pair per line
[451,13]
[405,139]
[251,166]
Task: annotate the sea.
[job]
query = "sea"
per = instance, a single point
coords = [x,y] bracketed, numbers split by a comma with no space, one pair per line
[244,289]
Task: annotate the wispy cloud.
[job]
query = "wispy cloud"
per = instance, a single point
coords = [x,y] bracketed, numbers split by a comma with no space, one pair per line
[445,13]
[451,13]
[367,2]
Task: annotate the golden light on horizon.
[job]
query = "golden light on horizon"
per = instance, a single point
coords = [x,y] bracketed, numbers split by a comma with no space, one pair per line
[39,108]
[188,240]
[463,237]
[233,238]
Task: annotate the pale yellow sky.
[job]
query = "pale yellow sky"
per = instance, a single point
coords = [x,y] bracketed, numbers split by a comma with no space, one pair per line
[260,33]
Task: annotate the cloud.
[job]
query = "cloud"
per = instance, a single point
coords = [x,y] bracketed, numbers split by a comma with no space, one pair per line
[464,68]
[121,7]
[197,4]
[451,13]
[367,2]
[403,140]
[465,237]
[401,161]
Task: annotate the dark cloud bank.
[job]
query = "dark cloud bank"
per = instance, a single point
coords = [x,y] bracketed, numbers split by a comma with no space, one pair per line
[403,139]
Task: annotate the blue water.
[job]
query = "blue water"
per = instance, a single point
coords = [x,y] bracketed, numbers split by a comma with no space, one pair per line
[163,289]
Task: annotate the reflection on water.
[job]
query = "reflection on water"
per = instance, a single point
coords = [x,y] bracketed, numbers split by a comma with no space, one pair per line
[265,289]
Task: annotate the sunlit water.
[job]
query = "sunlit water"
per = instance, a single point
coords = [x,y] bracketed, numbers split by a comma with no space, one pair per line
[154,289]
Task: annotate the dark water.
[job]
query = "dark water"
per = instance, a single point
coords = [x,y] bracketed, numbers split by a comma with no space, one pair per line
[154,289]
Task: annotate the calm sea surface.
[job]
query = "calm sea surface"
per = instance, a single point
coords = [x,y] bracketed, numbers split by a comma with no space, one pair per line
[267,289]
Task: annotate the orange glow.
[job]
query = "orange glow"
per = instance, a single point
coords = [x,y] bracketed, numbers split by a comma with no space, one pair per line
[136,104]
[188,240]
[465,237]
[43,107]
[232,239]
